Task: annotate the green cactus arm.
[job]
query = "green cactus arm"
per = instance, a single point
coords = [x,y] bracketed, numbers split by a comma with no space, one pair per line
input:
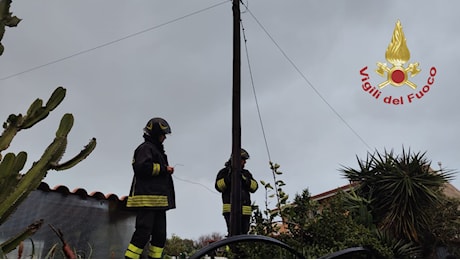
[10,131]
[63,131]
[30,180]
[65,125]
[13,242]
[19,163]
[5,14]
[9,172]
[76,159]
[6,176]
[6,19]
[50,158]
[6,165]
[56,98]
[37,112]
[34,107]
[10,203]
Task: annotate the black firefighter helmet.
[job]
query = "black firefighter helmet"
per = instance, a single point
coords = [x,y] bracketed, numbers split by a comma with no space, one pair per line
[244,154]
[157,126]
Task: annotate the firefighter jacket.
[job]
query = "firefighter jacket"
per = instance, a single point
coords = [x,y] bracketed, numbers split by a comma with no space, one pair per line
[248,185]
[152,185]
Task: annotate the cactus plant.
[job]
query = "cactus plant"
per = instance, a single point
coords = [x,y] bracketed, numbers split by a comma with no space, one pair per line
[35,114]
[6,19]
[11,243]
[15,186]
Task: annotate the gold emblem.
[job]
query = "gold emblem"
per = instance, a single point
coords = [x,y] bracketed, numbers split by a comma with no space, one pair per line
[397,54]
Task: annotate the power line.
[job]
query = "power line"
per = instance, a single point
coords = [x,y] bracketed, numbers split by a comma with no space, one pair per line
[255,95]
[196,183]
[307,81]
[113,42]
[183,17]
[192,182]
[119,40]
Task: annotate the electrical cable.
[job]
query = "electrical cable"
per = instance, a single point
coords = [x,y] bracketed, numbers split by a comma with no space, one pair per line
[254,91]
[196,183]
[112,42]
[307,81]
[247,56]
[260,117]
[183,17]
[192,182]
[116,41]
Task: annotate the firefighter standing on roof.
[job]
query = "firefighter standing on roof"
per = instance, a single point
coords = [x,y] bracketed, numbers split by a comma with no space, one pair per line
[248,185]
[152,191]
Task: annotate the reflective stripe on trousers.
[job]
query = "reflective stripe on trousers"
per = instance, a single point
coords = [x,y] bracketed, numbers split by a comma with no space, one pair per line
[133,252]
[155,252]
[245,210]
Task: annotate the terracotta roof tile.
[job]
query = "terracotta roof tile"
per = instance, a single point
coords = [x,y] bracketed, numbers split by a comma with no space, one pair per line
[80,192]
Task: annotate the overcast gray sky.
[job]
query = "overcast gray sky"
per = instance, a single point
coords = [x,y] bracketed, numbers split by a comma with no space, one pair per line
[123,63]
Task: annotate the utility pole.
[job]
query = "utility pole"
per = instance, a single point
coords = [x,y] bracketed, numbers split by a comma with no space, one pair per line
[235,200]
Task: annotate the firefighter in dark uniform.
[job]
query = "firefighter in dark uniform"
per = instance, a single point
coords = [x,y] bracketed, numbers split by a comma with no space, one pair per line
[248,185]
[152,191]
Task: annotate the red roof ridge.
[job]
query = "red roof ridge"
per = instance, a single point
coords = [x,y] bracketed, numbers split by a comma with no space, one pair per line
[80,191]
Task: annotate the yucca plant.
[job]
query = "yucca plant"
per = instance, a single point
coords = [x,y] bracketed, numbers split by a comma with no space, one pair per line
[401,190]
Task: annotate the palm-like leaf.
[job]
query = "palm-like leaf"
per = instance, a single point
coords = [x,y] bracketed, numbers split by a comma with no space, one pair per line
[400,189]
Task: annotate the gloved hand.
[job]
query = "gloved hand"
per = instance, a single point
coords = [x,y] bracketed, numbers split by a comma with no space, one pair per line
[246,179]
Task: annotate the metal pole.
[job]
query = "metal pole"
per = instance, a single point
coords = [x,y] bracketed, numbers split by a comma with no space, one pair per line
[235,200]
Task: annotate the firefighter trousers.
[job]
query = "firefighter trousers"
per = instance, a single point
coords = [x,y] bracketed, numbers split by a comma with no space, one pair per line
[150,226]
[245,223]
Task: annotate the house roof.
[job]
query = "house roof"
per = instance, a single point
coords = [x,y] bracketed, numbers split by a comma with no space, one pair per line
[449,190]
[81,192]
[333,192]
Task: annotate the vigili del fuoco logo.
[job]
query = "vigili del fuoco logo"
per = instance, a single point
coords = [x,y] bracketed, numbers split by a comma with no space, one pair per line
[398,74]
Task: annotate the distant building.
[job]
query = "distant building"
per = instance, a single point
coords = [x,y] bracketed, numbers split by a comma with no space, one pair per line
[331,193]
[94,225]
[449,190]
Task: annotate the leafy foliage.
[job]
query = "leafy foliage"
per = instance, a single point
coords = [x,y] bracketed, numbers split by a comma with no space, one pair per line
[312,229]
[394,211]
[356,218]
[267,218]
[404,195]
[318,230]
[178,247]
[444,227]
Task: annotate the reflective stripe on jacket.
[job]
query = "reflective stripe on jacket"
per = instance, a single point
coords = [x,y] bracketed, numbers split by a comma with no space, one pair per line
[248,185]
[152,185]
